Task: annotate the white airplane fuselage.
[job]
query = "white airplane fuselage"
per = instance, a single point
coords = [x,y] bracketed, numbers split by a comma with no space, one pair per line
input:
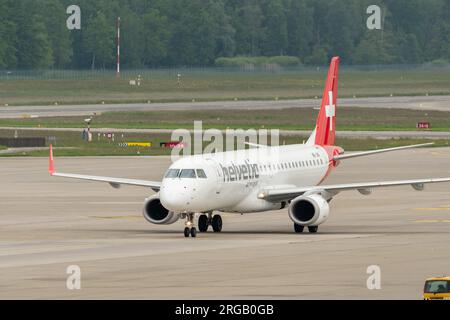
[234,178]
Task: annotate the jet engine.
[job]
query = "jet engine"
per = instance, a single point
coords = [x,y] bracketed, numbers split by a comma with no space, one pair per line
[310,210]
[154,212]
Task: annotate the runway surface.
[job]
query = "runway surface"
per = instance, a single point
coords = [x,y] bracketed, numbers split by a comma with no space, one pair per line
[417,102]
[47,224]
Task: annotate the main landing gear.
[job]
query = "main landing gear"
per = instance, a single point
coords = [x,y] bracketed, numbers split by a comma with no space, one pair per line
[299,228]
[204,221]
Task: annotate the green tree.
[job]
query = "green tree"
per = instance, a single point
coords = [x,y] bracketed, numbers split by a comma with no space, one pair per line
[248,23]
[376,48]
[300,28]
[275,24]
[58,34]
[34,50]
[98,40]
[8,36]
[156,37]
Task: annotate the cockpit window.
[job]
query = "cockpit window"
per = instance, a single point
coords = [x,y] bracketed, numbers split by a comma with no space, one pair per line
[172,173]
[201,173]
[187,173]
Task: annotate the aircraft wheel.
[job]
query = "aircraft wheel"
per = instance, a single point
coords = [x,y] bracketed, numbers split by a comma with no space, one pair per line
[298,228]
[217,223]
[187,232]
[313,229]
[193,232]
[203,223]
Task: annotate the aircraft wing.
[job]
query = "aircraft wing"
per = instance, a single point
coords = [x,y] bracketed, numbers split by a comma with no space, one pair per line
[368,153]
[275,195]
[114,182]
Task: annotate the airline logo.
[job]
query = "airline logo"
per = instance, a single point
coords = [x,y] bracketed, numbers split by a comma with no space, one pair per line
[330,109]
[237,172]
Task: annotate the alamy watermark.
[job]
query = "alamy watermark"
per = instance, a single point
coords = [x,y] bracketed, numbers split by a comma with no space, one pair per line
[374,280]
[73,22]
[73,281]
[199,141]
[374,20]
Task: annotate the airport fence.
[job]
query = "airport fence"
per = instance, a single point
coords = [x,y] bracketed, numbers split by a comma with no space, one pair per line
[61,74]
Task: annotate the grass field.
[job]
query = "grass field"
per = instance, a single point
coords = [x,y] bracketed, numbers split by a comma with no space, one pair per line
[204,86]
[102,146]
[289,119]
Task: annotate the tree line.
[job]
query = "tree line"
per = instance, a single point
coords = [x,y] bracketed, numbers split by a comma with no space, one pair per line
[165,33]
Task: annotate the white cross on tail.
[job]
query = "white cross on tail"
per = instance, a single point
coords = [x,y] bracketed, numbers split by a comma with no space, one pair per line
[330,109]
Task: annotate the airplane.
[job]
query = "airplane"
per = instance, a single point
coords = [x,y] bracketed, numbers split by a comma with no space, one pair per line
[254,180]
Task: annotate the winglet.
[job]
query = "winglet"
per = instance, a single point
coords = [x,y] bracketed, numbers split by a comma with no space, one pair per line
[51,162]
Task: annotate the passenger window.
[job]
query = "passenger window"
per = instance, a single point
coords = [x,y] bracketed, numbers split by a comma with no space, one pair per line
[201,173]
[187,173]
[172,173]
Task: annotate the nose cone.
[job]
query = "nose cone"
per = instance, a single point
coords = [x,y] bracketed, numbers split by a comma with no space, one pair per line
[174,195]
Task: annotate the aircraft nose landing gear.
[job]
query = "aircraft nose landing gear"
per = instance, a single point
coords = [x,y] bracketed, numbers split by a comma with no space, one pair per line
[204,221]
[190,227]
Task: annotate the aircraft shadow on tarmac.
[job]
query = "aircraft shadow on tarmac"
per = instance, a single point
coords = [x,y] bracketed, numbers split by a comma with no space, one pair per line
[262,232]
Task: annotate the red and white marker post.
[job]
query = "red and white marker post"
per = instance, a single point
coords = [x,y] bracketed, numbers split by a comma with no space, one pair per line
[118,47]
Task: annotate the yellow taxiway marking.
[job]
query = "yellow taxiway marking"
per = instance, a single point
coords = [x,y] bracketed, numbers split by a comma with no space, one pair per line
[441,208]
[433,209]
[116,217]
[430,221]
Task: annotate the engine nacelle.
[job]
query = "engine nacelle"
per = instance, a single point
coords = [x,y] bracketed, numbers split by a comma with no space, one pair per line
[310,210]
[154,212]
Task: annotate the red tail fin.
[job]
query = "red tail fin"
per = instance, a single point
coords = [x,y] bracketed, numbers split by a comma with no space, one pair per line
[326,121]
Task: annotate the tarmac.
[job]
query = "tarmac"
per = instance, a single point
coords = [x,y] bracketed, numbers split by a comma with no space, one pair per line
[441,103]
[48,224]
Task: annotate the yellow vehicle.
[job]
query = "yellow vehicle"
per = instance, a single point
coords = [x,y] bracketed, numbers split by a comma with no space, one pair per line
[437,289]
